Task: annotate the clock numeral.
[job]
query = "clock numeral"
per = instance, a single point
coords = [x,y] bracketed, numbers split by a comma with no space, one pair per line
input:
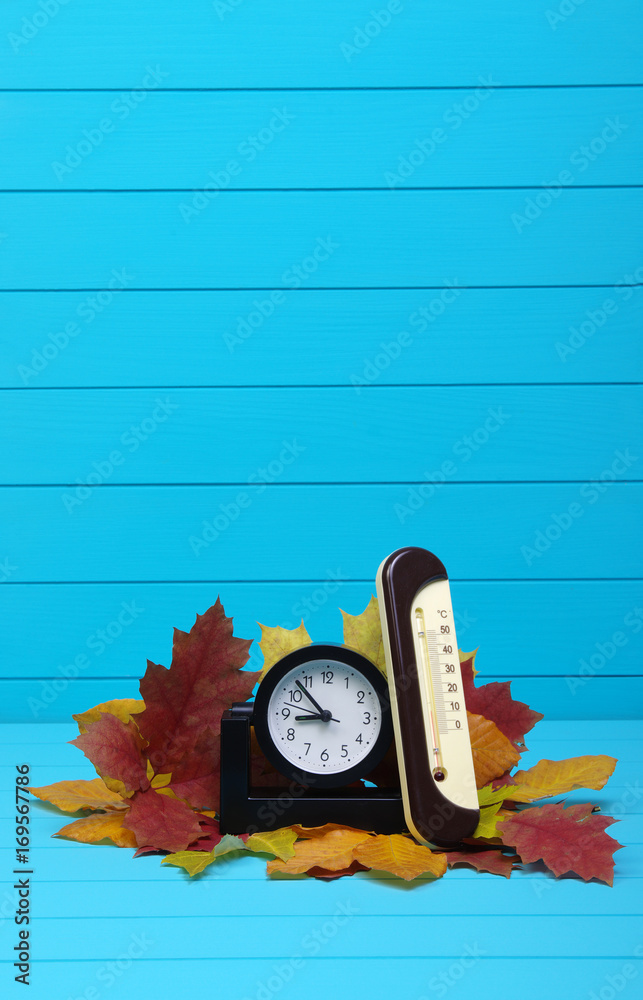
[308,746]
[286,713]
[358,739]
[308,681]
[344,750]
[360,697]
[290,735]
[346,679]
[323,755]
[295,695]
[367,719]
[327,676]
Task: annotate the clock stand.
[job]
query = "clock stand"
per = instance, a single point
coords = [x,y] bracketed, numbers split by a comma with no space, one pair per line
[245,809]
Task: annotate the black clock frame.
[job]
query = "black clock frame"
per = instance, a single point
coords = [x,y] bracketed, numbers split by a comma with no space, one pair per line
[315,652]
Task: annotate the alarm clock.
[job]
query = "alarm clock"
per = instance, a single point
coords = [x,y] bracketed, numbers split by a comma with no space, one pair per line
[322,715]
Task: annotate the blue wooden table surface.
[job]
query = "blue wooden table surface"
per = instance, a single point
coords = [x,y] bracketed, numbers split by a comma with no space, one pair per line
[378,268]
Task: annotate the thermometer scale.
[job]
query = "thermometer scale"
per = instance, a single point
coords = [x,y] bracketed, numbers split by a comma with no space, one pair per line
[427,701]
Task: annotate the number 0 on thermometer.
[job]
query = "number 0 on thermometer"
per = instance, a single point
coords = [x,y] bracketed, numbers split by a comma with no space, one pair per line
[427,701]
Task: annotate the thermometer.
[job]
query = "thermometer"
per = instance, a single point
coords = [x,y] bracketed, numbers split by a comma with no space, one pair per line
[427,701]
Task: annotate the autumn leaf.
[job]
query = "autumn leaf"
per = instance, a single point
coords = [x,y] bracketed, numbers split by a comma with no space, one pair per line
[483,861]
[486,827]
[70,796]
[314,832]
[555,777]
[364,633]
[400,856]
[184,705]
[470,660]
[115,750]
[276,842]
[160,821]
[122,708]
[100,826]
[276,642]
[566,840]
[332,851]
[492,752]
[328,876]
[494,702]
[194,862]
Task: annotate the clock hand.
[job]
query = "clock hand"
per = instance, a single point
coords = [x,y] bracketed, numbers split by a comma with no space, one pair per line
[325,717]
[310,697]
[302,708]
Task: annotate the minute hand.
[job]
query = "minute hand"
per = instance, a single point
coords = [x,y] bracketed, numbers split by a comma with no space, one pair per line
[310,697]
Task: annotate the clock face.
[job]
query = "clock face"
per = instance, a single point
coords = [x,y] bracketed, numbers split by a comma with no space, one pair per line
[324,716]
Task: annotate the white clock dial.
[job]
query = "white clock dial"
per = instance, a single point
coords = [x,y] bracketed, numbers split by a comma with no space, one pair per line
[324,716]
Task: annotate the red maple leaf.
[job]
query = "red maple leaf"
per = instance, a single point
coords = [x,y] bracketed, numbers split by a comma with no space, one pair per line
[494,702]
[115,750]
[159,821]
[184,705]
[567,840]
[483,861]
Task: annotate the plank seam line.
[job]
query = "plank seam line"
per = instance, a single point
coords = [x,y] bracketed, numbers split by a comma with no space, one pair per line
[314,288]
[244,582]
[305,386]
[236,90]
[315,484]
[286,190]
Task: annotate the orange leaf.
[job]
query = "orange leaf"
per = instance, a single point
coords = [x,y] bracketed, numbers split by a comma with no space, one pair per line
[99,826]
[70,796]
[492,752]
[400,856]
[332,851]
[555,777]
[312,832]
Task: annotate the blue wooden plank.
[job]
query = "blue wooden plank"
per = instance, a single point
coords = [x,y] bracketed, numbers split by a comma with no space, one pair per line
[321,239]
[244,338]
[311,139]
[582,618]
[332,43]
[508,531]
[434,435]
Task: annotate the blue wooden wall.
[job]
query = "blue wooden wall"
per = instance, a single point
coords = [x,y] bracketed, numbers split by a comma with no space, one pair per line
[285,287]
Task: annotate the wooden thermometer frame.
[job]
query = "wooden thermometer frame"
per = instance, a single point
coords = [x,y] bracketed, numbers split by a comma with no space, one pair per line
[431,816]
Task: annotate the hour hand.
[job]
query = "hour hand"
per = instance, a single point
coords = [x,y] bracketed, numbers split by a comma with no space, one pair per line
[324,717]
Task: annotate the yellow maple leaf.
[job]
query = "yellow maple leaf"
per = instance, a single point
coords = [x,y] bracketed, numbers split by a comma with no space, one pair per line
[332,851]
[493,753]
[488,819]
[122,708]
[364,633]
[276,641]
[400,856]
[70,796]
[100,826]
[194,862]
[469,656]
[554,777]
[280,843]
